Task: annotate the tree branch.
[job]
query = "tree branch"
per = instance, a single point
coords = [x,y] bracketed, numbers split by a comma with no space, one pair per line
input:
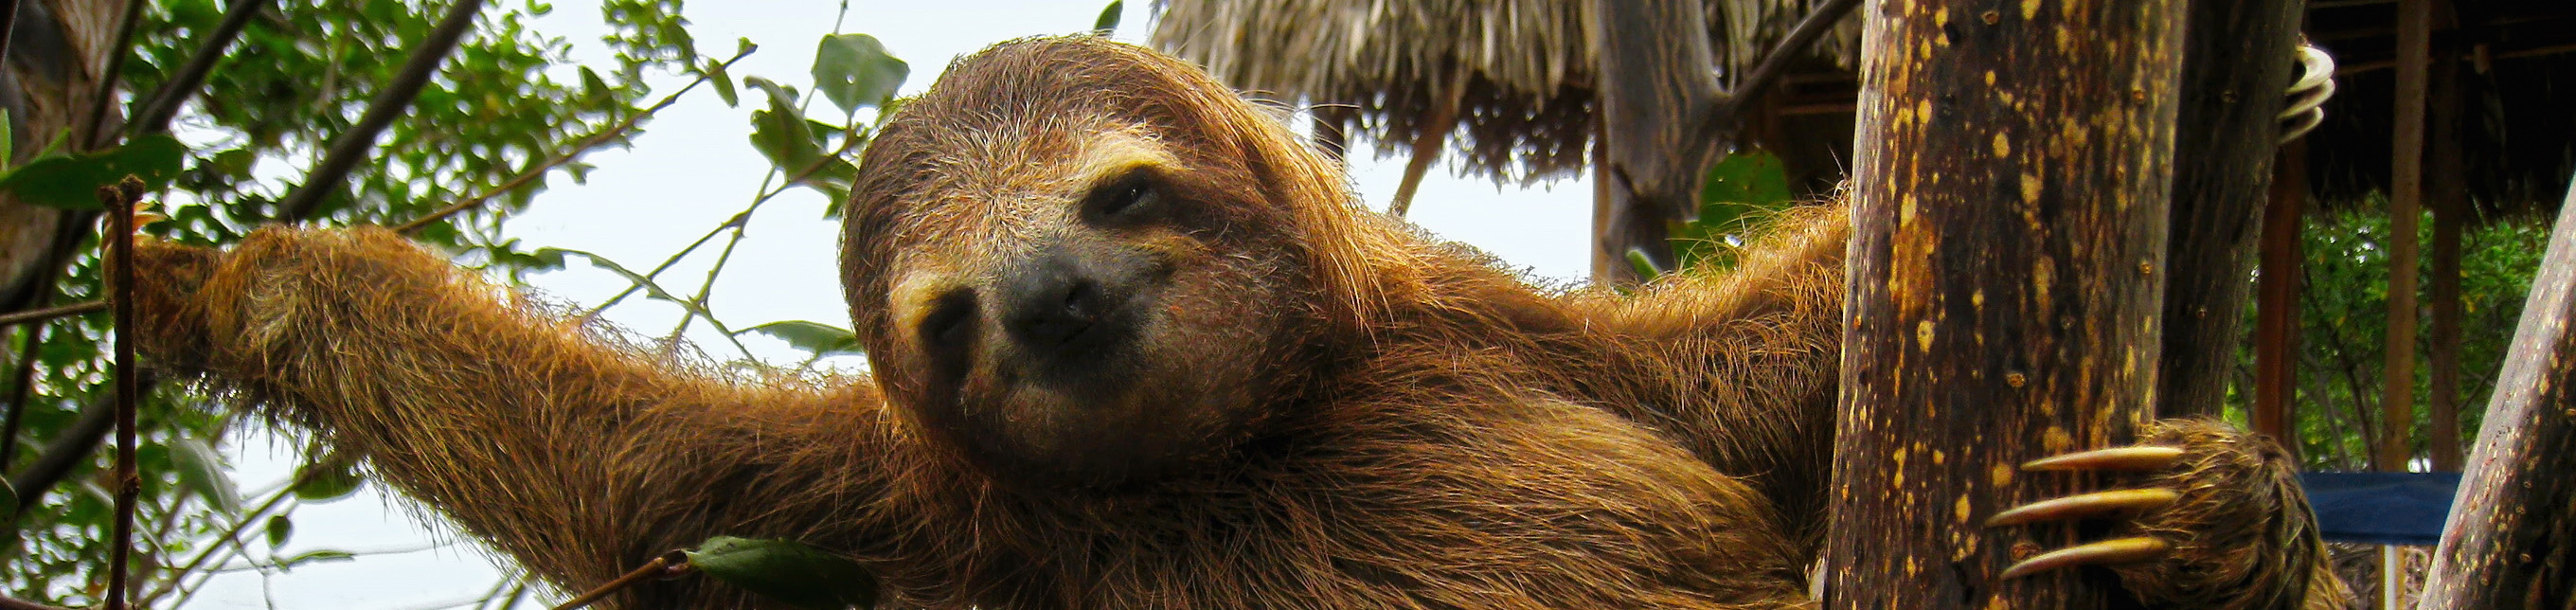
[98,135]
[183,84]
[1776,63]
[595,141]
[360,141]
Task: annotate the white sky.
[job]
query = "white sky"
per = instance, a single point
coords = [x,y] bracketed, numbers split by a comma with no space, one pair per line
[693,169]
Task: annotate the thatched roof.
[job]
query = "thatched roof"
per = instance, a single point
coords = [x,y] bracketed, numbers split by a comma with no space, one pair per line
[1522,69]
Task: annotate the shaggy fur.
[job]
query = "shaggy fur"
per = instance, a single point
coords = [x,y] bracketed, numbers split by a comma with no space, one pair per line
[1367,418]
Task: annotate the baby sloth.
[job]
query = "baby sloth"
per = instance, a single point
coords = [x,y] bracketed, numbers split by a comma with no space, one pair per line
[1134,347]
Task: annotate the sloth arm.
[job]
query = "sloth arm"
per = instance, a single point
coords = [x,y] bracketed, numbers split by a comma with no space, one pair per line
[580,457]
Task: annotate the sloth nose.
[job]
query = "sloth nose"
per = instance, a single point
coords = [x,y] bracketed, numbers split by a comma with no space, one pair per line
[1051,302]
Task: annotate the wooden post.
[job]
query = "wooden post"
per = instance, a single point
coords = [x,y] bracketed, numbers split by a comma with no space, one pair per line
[2012,175]
[2447,193]
[2241,56]
[2406,186]
[2511,540]
[2276,315]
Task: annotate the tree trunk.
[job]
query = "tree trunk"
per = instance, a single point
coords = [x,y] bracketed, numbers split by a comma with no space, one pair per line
[2009,220]
[48,85]
[2511,540]
[2239,60]
[1657,86]
[2406,186]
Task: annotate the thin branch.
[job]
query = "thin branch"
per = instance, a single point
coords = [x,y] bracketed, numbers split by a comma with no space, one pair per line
[593,142]
[670,565]
[738,218]
[120,200]
[26,377]
[70,448]
[183,84]
[58,311]
[97,134]
[234,532]
[359,142]
[11,603]
[8,25]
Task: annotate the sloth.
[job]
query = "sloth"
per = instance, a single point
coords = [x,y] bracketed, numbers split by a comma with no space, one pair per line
[1133,345]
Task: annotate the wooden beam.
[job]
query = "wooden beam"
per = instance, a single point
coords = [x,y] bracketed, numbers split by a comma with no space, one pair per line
[2009,207]
[2276,313]
[2405,203]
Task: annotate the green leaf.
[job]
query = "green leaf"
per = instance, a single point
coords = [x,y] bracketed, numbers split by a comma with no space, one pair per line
[1108,21]
[72,181]
[822,339]
[8,139]
[201,470]
[1734,195]
[723,83]
[854,71]
[279,529]
[787,572]
[592,86]
[316,487]
[315,556]
[1645,267]
[780,132]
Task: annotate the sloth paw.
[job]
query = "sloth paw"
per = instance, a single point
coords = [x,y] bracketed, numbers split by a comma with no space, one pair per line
[2213,517]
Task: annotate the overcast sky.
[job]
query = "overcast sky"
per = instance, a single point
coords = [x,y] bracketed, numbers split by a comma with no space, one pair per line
[692,170]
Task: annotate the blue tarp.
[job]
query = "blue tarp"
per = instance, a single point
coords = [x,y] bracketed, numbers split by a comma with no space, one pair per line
[2381,507]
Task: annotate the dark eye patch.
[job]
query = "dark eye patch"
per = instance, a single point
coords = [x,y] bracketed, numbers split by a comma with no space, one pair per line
[1127,198]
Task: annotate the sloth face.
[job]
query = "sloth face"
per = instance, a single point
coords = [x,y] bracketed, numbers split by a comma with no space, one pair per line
[1080,290]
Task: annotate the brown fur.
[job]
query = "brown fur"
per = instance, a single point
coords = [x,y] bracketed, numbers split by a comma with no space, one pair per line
[1327,410]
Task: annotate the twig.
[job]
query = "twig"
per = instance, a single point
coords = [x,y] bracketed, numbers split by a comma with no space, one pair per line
[58,311]
[105,95]
[670,565]
[359,141]
[737,219]
[12,603]
[593,142]
[8,25]
[234,532]
[183,84]
[120,200]
[18,394]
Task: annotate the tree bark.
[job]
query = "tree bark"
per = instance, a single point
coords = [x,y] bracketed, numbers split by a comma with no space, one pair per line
[2010,198]
[2238,62]
[2511,540]
[2406,186]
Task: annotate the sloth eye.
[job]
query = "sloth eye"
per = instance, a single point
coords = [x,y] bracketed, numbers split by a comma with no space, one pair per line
[1124,198]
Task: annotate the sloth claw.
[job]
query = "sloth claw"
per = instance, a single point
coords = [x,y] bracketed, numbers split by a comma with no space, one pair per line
[2138,458]
[2120,550]
[2086,505]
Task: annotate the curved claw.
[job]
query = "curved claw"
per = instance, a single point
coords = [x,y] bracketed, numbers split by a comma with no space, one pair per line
[2119,550]
[2139,458]
[2086,505]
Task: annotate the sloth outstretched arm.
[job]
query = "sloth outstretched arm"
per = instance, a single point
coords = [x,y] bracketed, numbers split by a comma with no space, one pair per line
[573,455]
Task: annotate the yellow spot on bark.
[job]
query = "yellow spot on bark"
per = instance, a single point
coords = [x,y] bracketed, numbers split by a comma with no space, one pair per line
[2029,8]
[1923,109]
[1939,457]
[2029,188]
[2003,145]
[2000,475]
[1960,509]
[1977,299]
[2056,440]
[1991,18]
[1923,335]
[2016,379]
[1990,78]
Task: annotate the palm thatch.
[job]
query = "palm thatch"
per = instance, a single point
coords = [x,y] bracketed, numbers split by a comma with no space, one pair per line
[1519,71]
